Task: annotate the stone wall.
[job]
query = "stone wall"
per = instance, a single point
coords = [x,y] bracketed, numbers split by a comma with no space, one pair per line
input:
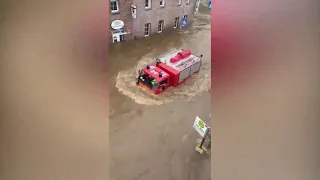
[157,13]
[125,15]
[153,15]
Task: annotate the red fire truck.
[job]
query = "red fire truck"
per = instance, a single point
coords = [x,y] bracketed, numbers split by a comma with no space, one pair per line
[170,69]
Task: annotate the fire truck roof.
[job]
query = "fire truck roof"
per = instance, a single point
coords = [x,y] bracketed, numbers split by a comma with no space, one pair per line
[181,64]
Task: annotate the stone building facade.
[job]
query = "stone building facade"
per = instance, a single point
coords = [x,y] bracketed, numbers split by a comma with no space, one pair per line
[121,10]
[152,16]
[171,11]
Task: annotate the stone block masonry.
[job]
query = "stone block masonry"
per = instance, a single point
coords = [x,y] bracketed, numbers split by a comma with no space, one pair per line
[124,14]
[156,13]
[168,13]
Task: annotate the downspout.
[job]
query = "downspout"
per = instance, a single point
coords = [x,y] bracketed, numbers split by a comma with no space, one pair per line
[197,6]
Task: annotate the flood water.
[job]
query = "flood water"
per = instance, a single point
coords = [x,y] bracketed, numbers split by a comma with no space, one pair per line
[266,98]
[128,57]
[156,130]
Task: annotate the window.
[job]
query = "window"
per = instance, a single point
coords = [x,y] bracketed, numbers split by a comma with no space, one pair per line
[114,6]
[162,2]
[179,2]
[115,39]
[164,82]
[121,37]
[187,1]
[149,81]
[176,22]
[147,4]
[160,26]
[147,29]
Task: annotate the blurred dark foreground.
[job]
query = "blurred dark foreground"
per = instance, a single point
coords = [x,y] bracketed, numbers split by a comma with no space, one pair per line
[54,94]
[266,90]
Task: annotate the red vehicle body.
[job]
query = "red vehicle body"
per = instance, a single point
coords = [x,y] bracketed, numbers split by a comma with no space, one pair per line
[170,69]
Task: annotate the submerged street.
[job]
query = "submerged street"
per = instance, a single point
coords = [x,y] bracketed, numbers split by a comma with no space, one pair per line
[264,104]
[151,136]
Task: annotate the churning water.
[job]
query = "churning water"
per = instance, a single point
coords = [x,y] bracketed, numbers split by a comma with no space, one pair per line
[197,39]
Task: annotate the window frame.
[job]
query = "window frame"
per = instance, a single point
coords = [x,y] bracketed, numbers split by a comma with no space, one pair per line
[117,6]
[187,2]
[149,4]
[176,22]
[121,37]
[160,24]
[163,3]
[147,26]
[179,3]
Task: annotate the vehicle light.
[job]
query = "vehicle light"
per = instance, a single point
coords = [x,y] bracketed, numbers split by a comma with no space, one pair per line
[160,74]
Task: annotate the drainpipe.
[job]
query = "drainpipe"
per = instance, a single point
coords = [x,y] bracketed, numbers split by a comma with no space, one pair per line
[134,17]
[197,6]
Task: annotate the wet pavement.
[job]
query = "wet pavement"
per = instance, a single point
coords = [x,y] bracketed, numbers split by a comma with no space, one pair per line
[151,137]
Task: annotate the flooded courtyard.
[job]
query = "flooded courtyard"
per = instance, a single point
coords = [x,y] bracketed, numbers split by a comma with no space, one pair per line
[156,130]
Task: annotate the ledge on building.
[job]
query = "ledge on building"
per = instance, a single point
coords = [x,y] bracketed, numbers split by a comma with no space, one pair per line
[123,30]
[115,12]
[147,9]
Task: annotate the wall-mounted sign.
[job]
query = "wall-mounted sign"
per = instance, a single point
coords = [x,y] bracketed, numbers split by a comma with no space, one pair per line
[117,24]
[184,21]
[200,127]
[134,11]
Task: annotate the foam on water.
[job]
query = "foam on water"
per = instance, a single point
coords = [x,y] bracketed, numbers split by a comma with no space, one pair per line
[126,84]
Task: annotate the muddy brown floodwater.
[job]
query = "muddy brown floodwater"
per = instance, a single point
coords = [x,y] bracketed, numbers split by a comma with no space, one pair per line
[151,137]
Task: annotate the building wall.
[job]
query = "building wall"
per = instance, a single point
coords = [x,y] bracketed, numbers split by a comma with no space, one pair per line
[153,16]
[157,13]
[124,15]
